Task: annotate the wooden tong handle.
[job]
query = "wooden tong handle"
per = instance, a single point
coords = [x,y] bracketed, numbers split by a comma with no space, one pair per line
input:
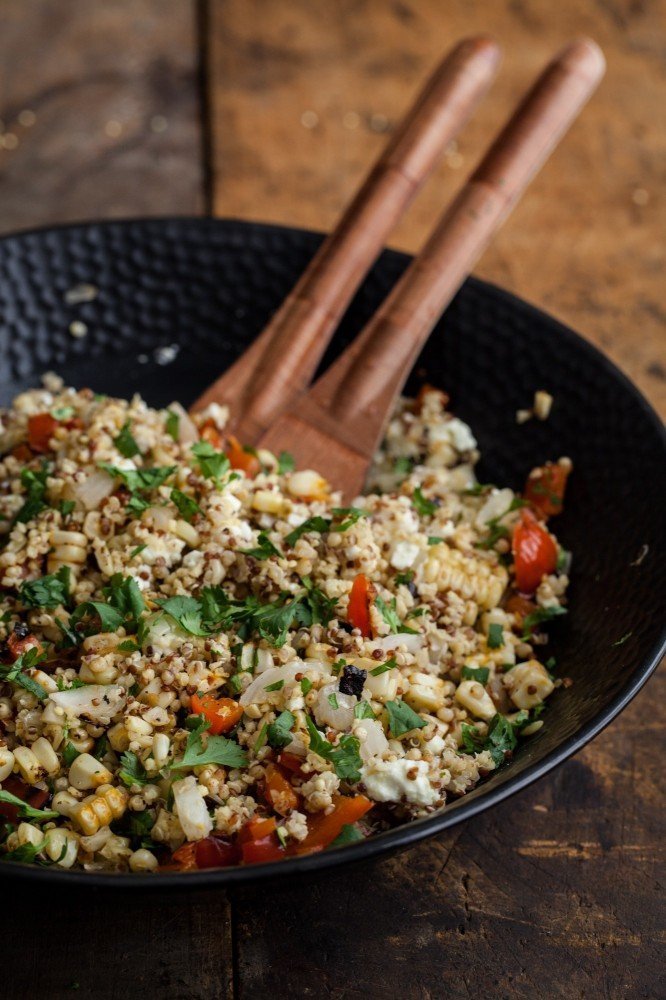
[283,360]
[358,390]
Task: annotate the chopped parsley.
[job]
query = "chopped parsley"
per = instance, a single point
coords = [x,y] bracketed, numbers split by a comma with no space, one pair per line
[333,700]
[495,636]
[25,810]
[132,771]
[286,462]
[16,672]
[277,686]
[125,442]
[434,539]
[62,412]
[383,667]
[137,551]
[496,529]
[362,710]
[47,592]
[278,733]
[344,757]
[404,578]
[34,484]
[480,674]
[212,464]
[402,719]
[424,507]
[349,834]
[390,616]
[306,685]
[66,507]
[124,606]
[172,424]
[216,750]
[540,616]
[621,642]
[187,507]
[346,516]
[499,741]
[139,482]
[69,754]
[403,465]
[264,549]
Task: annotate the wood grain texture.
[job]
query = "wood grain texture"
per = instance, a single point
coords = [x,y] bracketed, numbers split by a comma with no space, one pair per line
[302,94]
[112,87]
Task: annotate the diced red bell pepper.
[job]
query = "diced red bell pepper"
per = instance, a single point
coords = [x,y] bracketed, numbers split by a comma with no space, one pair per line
[545,487]
[18,645]
[183,859]
[40,431]
[222,713]
[22,453]
[520,606]
[534,552]
[324,828]
[360,599]
[259,841]
[292,762]
[241,459]
[216,852]
[279,793]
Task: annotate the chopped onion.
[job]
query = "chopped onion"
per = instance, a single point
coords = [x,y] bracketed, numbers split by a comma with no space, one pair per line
[187,432]
[375,743]
[191,808]
[339,718]
[411,642]
[160,517]
[254,691]
[97,487]
[94,701]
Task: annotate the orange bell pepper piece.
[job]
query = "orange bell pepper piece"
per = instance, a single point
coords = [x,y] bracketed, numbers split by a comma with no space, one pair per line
[545,487]
[40,431]
[222,713]
[534,552]
[279,793]
[324,828]
[358,610]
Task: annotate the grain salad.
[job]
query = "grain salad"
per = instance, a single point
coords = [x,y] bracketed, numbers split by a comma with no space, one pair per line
[208,660]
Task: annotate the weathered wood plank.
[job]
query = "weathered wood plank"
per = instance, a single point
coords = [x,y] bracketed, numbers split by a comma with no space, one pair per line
[301,94]
[99,108]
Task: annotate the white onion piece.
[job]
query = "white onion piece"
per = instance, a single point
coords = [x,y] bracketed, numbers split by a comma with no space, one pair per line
[94,701]
[158,517]
[339,718]
[496,505]
[191,809]
[411,642]
[375,743]
[254,692]
[187,431]
[97,487]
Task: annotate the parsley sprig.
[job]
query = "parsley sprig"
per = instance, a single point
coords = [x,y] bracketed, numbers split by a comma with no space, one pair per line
[212,750]
[344,757]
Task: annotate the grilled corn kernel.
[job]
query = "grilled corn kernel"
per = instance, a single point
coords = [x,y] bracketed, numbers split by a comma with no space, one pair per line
[62,846]
[30,768]
[101,809]
[27,833]
[143,861]
[528,684]
[87,772]
[474,697]
[6,763]
[46,755]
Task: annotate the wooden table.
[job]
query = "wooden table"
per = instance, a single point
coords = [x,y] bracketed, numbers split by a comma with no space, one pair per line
[271,111]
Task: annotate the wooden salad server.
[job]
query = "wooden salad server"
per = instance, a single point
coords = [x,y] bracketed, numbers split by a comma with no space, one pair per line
[282,361]
[337,425]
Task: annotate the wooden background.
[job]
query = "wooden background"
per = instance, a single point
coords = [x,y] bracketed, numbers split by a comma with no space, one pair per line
[272,110]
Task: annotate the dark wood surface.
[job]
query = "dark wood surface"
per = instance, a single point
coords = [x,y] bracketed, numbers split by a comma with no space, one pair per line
[555,893]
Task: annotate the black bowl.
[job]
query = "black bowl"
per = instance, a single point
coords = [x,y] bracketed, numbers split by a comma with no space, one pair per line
[178,299]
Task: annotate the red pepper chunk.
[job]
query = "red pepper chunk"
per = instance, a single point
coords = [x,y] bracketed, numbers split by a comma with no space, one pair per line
[324,828]
[239,458]
[545,487]
[35,797]
[358,610]
[209,432]
[17,645]
[40,431]
[534,552]
[222,713]
[216,852]
[279,793]
[259,841]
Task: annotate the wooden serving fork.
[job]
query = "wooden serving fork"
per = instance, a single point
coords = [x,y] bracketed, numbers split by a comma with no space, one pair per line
[282,361]
[336,426]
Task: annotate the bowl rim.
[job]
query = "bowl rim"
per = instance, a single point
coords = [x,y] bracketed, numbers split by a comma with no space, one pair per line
[463,809]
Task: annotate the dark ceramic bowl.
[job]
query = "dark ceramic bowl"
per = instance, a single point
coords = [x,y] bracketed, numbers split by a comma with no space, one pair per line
[179,299]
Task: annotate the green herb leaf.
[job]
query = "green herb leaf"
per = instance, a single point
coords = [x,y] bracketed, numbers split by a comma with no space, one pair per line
[540,616]
[362,710]
[172,424]
[306,685]
[318,524]
[27,811]
[140,480]
[264,550]
[132,771]
[277,686]
[434,539]
[279,732]
[15,672]
[426,508]
[404,579]
[66,507]
[187,507]
[480,674]
[333,700]
[347,516]
[390,616]
[349,834]
[47,592]
[261,738]
[383,667]
[212,464]
[286,463]
[495,636]
[69,754]
[62,412]
[217,750]
[500,740]
[402,718]
[621,642]
[125,443]
[34,483]
[137,551]
[403,465]
[345,758]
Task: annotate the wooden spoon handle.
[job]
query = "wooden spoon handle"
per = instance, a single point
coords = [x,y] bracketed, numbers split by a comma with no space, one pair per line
[358,390]
[283,359]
